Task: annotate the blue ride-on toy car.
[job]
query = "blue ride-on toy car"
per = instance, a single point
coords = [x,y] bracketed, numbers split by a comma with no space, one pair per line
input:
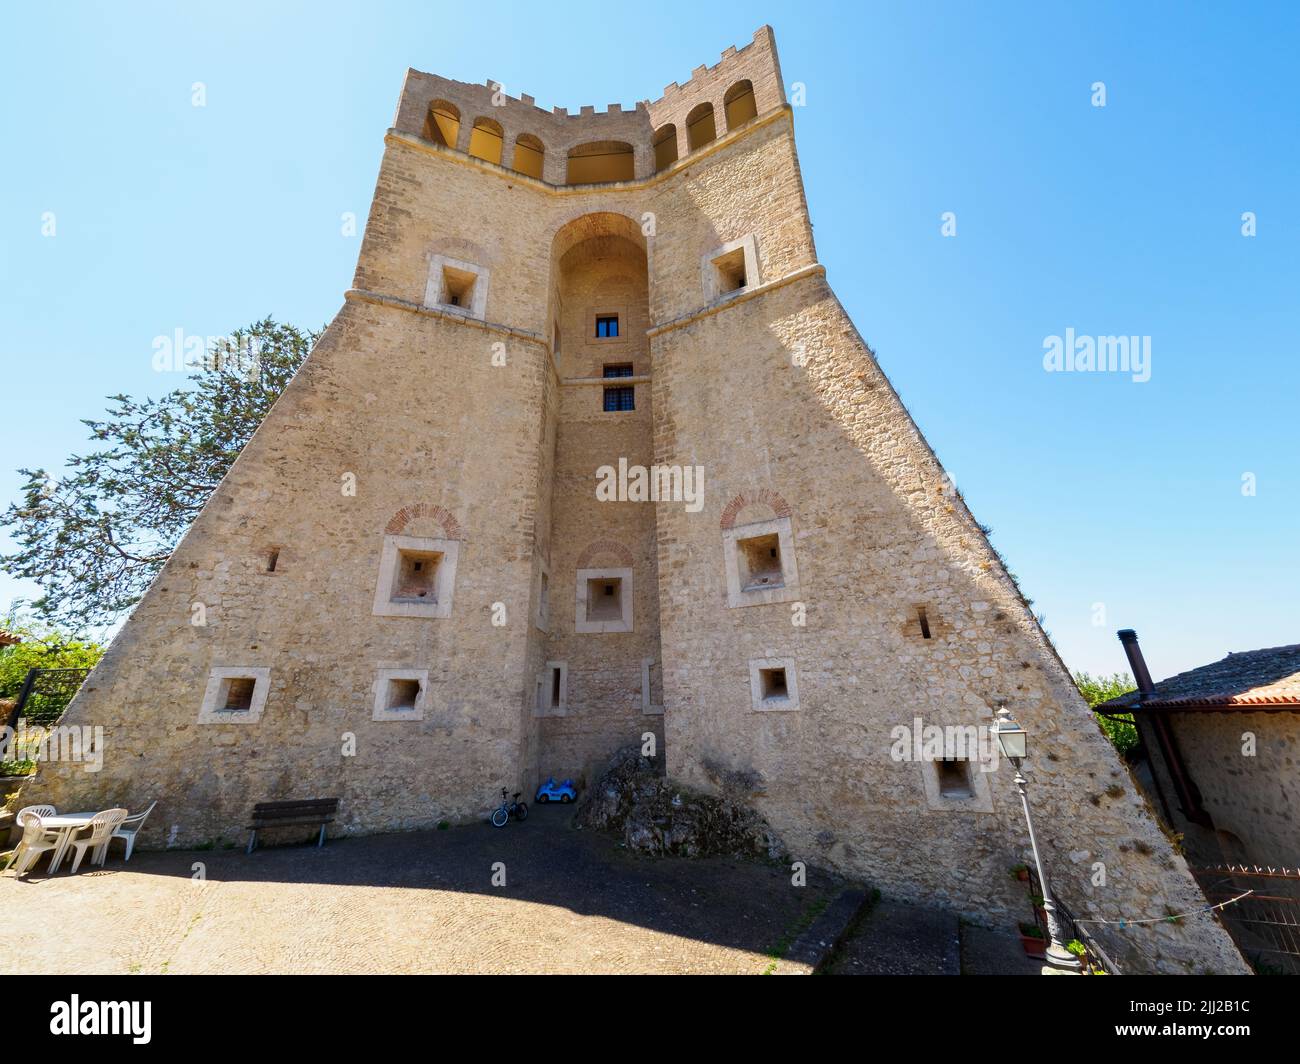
[550,791]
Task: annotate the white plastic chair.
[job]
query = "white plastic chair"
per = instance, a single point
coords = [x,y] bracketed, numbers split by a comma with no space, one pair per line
[36,840]
[101,828]
[127,831]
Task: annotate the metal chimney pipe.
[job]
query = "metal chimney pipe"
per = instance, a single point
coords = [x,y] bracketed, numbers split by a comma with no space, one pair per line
[1136,662]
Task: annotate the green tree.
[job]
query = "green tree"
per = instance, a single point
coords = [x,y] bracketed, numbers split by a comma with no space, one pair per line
[1098,689]
[96,537]
[42,647]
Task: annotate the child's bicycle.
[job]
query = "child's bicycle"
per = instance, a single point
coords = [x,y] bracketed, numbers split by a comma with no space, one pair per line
[502,814]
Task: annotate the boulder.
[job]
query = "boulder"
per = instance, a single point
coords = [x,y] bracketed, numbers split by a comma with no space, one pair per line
[653,815]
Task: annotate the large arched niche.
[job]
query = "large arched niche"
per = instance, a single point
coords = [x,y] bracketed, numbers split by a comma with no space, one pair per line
[609,235]
[596,224]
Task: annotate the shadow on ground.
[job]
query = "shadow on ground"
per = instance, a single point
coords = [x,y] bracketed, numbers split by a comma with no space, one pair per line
[539,896]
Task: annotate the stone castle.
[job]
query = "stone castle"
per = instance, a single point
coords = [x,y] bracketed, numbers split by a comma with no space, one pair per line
[592,451]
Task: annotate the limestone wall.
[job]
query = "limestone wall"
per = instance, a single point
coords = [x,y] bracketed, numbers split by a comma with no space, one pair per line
[464,424]
[1251,799]
[373,400]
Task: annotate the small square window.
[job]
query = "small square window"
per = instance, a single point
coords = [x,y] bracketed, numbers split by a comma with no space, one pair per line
[457,287]
[606,326]
[954,778]
[461,286]
[416,579]
[730,271]
[773,684]
[731,268]
[618,369]
[400,694]
[604,601]
[617,399]
[239,693]
[760,563]
[235,695]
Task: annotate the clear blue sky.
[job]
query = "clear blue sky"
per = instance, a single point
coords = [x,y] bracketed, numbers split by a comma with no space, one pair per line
[1115,220]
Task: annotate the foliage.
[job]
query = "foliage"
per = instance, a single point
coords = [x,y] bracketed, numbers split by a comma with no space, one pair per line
[1119,727]
[96,537]
[42,647]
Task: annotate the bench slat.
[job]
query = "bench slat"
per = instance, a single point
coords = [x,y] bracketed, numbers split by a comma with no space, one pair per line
[295,813]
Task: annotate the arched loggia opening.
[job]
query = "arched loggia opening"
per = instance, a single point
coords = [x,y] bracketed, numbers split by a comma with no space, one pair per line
[740,104]
[700,127]
[486,140]
[442,123]
[530,154]
[665,145]
[601,161]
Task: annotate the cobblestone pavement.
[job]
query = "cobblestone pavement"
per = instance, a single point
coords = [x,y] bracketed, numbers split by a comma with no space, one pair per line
[573,901]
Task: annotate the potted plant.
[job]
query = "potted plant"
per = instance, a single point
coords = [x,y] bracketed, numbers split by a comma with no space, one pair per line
[1020,872]
[1081,951]
[1032,941]
[1036,900]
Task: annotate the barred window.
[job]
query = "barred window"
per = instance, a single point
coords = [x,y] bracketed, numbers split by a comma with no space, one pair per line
[620,369]
[620,398]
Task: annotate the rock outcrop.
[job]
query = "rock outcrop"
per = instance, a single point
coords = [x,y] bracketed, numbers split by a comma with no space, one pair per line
[654,815]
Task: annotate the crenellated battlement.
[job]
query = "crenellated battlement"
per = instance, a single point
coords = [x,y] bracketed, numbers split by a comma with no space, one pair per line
[593,146]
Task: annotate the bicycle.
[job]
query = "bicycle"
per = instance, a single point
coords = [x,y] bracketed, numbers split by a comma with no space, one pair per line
[502,814]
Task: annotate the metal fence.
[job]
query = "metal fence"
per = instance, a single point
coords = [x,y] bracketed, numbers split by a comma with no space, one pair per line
[1096,958]
[45,695]
[1266,924]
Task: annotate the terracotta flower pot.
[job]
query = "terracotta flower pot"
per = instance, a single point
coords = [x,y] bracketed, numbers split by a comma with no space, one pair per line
[1034,947]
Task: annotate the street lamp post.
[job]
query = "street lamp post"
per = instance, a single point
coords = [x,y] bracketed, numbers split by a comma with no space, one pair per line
[1012,741]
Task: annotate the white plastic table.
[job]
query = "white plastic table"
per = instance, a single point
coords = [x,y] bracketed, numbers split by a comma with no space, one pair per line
[67,823]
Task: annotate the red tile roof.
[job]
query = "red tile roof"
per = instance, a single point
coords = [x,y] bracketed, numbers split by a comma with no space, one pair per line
[1252,679]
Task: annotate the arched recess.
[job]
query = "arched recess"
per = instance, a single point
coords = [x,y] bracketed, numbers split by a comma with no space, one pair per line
[665,145]
[601,161]
[616,241]
[596,224]
[442,123]
[530,154]
[486,140]
[740,104]
[700,127]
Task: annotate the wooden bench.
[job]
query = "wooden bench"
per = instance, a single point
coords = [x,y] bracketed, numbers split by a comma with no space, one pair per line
[286,814]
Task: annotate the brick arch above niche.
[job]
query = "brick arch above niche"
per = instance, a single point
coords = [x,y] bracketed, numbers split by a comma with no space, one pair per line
[605,552]
[761,505]
[416,518]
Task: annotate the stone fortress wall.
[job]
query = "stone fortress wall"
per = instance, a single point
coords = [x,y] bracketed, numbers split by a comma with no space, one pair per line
[470,616]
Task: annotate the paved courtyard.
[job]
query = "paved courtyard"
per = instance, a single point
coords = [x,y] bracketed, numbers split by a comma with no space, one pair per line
[573,901]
